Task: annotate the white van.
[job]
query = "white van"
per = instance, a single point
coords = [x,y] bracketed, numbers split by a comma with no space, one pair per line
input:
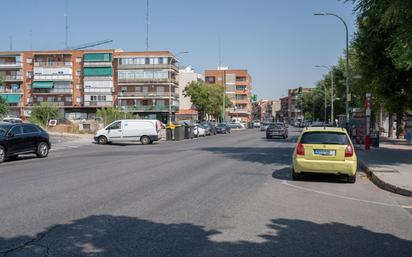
[145,131]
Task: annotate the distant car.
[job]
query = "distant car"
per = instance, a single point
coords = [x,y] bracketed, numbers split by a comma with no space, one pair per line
[256,124]
[324,150]
[22,138]
[277,130]
[264,126]
[222,128]
[199,130]
[12,120]
[236,125]
[210,128]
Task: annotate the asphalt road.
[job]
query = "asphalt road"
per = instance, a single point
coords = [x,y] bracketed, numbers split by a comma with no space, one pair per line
[226,195]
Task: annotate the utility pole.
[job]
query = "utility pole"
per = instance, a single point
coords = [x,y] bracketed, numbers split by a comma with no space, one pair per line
[66,16]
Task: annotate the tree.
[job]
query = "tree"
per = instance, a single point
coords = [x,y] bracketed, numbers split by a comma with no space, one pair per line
[110,114]
[43,113]
[4,107]
[383,45]
[207,98]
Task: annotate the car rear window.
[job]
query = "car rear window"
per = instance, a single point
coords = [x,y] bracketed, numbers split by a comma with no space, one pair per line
[276,126]
[333,138]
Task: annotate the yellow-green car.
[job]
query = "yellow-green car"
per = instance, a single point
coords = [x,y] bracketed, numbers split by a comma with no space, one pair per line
[324,150]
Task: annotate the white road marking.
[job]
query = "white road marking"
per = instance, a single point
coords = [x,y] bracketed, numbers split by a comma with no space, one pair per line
[284,182]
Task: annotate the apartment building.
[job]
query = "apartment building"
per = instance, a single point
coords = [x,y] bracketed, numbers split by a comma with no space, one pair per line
[145,81]
[81,81]
[294,113]
[186,109]
[267,110]
[238,87]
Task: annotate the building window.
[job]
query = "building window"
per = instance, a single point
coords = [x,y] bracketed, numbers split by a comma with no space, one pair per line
[40,99]
[147,60]
[79,99]
[68,99]
[211,79]
[78,60]
[78,86]
[29,60]
[29,74]
[240,79]
[78,73]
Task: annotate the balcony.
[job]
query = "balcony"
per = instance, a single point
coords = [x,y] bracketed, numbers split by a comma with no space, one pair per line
[8,78]
[240,111]
[54,91]
[11,65]
[98,103]
[58,104]
[147,80]
[53,64]
[147,66]
[10,91]
[241,101]
[53,77]
[97,64]
[148,108]
[136,95]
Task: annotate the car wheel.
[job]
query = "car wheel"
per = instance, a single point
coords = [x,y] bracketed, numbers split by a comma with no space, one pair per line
[42,150]
[352,179]
[145,140]
[102,140]
[295,176]
[2,154]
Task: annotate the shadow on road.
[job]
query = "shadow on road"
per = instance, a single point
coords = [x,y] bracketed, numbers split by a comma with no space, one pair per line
[264,155]
[285,174]
[110,236]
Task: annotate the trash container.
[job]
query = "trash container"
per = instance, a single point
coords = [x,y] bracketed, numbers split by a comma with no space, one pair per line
[375,139]
[189,129]
[169,134]
[179,132]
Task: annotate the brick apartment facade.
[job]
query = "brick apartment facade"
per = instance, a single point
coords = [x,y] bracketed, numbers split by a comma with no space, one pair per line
[238,87]
[80,81]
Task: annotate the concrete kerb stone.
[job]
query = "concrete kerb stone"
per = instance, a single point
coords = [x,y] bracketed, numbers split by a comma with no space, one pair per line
[383,184]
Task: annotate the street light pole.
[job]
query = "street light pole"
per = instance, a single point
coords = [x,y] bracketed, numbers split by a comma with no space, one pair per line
[347,61]
[170,83]
[330,69]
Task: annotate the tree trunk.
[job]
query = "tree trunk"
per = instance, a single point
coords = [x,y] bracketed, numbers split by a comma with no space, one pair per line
[390,121]
[398,125]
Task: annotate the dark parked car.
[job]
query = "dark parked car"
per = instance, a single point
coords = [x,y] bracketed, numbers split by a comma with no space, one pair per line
[222,128]
[22,138]
[277,130]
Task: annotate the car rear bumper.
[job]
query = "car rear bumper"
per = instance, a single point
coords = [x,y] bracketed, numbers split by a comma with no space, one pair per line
[330,167]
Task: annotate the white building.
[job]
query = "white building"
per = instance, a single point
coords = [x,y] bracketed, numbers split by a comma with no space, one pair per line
[187,75]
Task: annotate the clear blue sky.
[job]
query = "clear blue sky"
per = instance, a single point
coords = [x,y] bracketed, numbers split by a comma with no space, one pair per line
[279,42]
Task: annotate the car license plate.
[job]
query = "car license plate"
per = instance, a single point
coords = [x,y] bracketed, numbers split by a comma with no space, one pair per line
[324,152]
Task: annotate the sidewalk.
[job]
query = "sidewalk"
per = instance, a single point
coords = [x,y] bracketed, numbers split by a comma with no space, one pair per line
[390,166]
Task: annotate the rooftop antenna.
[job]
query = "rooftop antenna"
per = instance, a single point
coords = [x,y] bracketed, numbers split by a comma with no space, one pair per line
[11,43]
[147,25]
[66,16]
[31,39]
[220,51]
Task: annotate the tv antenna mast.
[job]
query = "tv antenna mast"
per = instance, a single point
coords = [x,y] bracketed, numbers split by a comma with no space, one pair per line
[147,25]
[66,16]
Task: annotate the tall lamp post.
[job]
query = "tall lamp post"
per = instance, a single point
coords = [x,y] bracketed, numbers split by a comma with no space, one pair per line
[170,83]
[330,69]
[347,61]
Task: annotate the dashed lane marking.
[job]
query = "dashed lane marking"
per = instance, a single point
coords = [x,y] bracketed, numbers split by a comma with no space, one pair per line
[284,182]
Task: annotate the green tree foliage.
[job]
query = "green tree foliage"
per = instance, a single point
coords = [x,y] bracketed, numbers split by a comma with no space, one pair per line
[43,113]
[110,114]
[383,46]
[4,107]
[207,98]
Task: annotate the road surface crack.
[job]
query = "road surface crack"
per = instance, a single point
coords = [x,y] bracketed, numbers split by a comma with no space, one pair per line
[35,241]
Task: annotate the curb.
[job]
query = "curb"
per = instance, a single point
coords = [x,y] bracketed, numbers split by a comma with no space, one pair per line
[382,184]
